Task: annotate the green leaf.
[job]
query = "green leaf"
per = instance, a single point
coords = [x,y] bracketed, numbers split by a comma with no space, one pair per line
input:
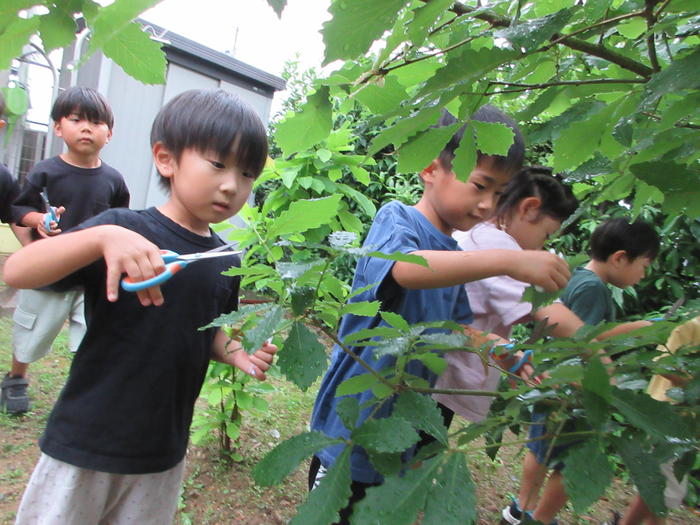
[384,98]
[587,473]
[404,128]
[579,141]
[16,100]
[302,298]
[256,336]
[285,457]
[137,54]
[538,297]
[110,21]
[493,138]
[678,183]
[395,320]
[348,410]
[14,38]
[422,412]
[305,214]
[277,6]
[421,150]
[644,471]
[391,434]
[596,379]
[399,499]
[363,308]
[307,127]
[323,504]
[452,499]
[531,34]
[237,316]
[655,418]
[402,257]
[465,156]
[355,25]
[302,358]
[683,73]
[356,384]
[632,29]
[57,29]
[424,17]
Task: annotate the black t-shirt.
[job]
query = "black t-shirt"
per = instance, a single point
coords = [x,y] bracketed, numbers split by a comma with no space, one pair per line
[127,405]
[8,193]
[84,192]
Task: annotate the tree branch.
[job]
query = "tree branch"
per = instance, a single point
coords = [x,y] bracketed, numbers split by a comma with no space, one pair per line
[651,37]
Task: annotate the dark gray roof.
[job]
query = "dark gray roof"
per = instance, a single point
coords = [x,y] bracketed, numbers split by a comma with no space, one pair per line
[199,57]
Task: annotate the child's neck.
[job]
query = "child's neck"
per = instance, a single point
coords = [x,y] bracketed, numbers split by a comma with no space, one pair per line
[599,268]
[182,217]
[81,161]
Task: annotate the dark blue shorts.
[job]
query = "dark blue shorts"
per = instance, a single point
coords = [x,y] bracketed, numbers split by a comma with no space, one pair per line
[540,447]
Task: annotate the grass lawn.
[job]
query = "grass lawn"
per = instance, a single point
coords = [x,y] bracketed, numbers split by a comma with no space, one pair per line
[217,491]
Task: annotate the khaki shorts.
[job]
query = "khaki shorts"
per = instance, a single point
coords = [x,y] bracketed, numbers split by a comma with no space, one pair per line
[59,493]
[39,317]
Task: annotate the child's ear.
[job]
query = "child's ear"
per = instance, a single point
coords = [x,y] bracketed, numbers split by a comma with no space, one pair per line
[57,128]
[3,123]
[430,172]
[618,258]
[529,208]
[164,159]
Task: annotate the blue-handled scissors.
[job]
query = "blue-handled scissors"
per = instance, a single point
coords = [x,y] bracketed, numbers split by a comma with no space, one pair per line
[175,263]
[50,215]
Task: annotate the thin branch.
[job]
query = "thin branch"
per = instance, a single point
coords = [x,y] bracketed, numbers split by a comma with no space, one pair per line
[651,37]
[688,125]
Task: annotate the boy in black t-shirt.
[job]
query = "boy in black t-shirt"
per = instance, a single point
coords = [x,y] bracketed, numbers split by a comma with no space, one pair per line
[115,441]
[81,185]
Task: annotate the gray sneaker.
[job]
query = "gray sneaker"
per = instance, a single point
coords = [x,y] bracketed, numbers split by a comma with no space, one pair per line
[13,396]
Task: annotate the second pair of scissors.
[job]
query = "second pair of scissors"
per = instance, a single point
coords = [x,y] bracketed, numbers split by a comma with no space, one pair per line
[174,263]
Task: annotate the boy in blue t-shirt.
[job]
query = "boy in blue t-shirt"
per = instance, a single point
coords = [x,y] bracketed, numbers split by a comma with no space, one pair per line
[620,254]
[114,445]
[422,294]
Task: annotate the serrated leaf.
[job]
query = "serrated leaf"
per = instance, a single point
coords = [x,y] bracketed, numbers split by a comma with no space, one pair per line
[256,336]
[324,502]
[308,126]
[14,38]
[682,73]
[302,358]
[391,434]
[57,29]
[384,98]
[285,457]
[342,239]
[355,385]
[530,34]
[394,346]
[277,6]
[422,412]
[405,128]
[452,499]
[304,215]
[538,297]
[355,25]
[657,419]
[465,156]
[399,499]
[596,379]
[236,316]
[678,183]
[587,473]
[424,17]
[137,54]
[348,410]
[114,18]
[644,471]
[421,150]
[493,138]
[363,308]
[302,298]
[395,320]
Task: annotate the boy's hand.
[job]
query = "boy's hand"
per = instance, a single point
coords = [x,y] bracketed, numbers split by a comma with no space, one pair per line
[254,364]
[53,225]
[127,252]
[541,269]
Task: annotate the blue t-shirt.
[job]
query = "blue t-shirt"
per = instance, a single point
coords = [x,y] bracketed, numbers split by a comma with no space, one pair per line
[396,228]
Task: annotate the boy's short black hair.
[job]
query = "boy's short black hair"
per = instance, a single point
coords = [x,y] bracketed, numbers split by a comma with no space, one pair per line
[84,102]
[637,239]
[212,121]
[511,163]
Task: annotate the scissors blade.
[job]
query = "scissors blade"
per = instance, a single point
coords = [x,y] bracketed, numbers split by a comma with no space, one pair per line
[674,308]
[223,247]
[207,255]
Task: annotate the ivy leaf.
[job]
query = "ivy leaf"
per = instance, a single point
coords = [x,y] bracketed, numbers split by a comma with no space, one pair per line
[277,6]
[653,417]
[137,54]
[531,34]
[15,37]
[302,358]
[307,127]
[355,25]
[57,29]
[391,434]
[452,499]
[264,329]
[399,499]
[323,504]
[422,412]
[421,150]
[644,470]
[285,457]
[304,215]
[587,473]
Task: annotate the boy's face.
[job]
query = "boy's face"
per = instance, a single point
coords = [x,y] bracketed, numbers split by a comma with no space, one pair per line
[628,272]
[204,189]
[455,205]
[82,137]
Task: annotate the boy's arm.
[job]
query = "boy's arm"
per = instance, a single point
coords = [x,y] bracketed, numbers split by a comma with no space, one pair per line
[623,328]
[564,322]
[449,268]
[35,220]
[229,351]
[48,260]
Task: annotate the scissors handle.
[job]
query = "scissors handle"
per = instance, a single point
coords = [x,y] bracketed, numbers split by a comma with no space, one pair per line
[171,269]
[49,217]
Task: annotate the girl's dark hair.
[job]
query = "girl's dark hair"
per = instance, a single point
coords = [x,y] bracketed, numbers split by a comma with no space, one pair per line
[636,239]
[510,163]
[212,121]
[85,102]
[536,181]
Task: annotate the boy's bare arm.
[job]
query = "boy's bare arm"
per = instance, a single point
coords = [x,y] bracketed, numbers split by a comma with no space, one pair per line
[229,351]
[48,260]
[35,220]
[449,268]
[623,328]
[564,322]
